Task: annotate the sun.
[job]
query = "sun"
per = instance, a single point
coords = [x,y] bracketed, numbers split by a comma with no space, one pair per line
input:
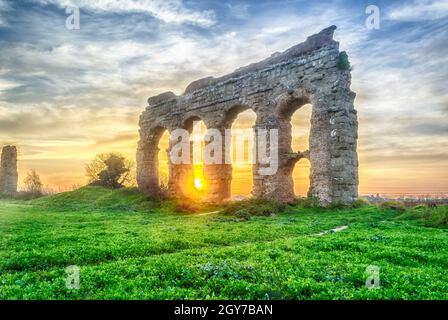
[198,184]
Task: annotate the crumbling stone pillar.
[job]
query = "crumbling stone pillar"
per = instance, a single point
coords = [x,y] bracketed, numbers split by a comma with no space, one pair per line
[181,176]
[320,153]
[8,170]
[218,176]
[279,186]
[181,180]
[147,160]
[336,132]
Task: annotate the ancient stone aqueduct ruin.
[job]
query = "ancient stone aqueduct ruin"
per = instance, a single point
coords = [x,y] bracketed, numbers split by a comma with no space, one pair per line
[274,89]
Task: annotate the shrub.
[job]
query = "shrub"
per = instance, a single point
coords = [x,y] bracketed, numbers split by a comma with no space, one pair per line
[189,206]
[429,217]
[440,217]
[33,184]
[361,202]
[162,192]
[243,214]
[110,170]
[344,63]
[338,206]
[253,207]
[393,205]
[311,202]
[185,206]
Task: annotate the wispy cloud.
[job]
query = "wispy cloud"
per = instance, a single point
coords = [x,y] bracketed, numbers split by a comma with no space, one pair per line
[239,10]
[169,11]
[4,9]
[7,85]
[420,10]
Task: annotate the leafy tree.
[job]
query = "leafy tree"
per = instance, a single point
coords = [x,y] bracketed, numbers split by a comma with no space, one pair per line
[110,170]
[33,184]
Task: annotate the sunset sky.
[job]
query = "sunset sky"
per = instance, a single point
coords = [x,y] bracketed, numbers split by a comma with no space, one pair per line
[67,95]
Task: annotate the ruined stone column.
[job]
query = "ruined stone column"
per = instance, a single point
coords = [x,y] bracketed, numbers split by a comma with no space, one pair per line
[279,186]
[218,176]
[320,152]
[181,177]
[8,170]
[147,161]
[147,176]
[343,143]
[181,180]
[333,154]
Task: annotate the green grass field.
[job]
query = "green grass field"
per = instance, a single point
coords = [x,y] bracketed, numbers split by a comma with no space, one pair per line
[128,247]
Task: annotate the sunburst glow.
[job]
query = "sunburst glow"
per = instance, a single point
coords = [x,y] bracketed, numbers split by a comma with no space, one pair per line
[198,184]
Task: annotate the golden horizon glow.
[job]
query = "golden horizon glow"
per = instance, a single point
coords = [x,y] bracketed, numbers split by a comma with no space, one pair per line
[60,163]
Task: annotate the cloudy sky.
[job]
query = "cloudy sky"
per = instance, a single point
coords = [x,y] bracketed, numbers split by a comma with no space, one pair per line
[66,95]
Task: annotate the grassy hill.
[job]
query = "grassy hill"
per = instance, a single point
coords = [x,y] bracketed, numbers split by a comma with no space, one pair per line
[129,247]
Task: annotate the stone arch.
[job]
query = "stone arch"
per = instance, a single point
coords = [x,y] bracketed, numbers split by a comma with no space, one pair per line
[289,103]
[232,113]
[189,120]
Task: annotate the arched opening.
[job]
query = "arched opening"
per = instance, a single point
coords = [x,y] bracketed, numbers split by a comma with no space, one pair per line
[241,153]
[198,144]
[197,184]
[163,159]
[300,133]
